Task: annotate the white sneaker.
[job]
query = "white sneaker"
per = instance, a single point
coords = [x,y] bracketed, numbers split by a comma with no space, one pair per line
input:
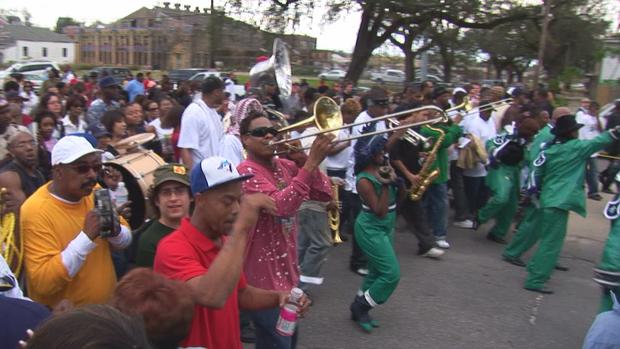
[442,243]
[362,271]
[465,224]
[434,252]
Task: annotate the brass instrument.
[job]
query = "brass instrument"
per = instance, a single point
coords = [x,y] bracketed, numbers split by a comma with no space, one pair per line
[426,175]
[333,217]
[412,136]
[11,245]
[328,119]
[277,69]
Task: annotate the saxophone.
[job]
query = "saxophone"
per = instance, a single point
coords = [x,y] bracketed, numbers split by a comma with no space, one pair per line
[334,217]
[426,175]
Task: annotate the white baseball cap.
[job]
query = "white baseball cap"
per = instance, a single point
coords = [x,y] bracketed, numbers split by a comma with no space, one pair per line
[70,148]
[213,172]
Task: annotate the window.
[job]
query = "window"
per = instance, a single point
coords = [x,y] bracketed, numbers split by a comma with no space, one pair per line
[25,51]
[64,52]
[44,52]
[133,23]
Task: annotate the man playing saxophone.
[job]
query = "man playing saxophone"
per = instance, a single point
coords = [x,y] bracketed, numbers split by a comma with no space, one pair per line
[436,197]
[406,160]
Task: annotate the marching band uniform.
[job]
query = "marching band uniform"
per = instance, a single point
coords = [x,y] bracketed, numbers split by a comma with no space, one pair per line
[561,168]
[528,233]
[611,252]
[503,181]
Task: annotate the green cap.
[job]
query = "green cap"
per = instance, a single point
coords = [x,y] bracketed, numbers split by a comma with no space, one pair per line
[171,172]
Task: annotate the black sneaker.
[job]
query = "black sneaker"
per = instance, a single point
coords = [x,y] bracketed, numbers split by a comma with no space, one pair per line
[543,290]
[595,197]
[497,239]
[514,261]
[248,334]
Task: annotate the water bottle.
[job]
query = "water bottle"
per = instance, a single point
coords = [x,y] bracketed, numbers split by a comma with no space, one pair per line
[288,313]
[121,194]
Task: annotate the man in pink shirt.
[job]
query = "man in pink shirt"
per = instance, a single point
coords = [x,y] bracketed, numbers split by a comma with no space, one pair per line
[271,255]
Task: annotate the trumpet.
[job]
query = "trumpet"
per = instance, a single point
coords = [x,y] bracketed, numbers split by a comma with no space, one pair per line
[333,216]
[412,136]
[328,119]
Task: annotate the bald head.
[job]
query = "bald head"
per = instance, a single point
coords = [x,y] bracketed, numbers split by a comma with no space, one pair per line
[559,112]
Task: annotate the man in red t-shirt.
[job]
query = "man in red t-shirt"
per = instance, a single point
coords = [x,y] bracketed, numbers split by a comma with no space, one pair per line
[207,250]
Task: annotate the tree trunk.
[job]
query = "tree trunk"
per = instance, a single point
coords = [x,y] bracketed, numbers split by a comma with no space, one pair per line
[409,65]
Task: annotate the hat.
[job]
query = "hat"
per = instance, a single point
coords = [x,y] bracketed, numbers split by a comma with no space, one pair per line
[108,81]
[517,91]
[438,91]
[457,90]
[70,148]
[565,125]
[213,172]
[171,172]
[98,130]
[14,95]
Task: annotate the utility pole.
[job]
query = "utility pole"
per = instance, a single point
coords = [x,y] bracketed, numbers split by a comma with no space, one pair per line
[543,41]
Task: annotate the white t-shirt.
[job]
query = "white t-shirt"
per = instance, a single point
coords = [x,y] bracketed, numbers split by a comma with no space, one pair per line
[484,130]
[161,132]
[71,128]
[201,131]
[340,161]
[232,149]
[357,130]
[590,125]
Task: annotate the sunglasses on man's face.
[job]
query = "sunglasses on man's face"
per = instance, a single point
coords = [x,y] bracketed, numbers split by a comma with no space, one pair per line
[84,168]
[262,132]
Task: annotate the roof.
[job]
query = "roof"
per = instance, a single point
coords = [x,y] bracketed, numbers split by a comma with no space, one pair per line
[26,33]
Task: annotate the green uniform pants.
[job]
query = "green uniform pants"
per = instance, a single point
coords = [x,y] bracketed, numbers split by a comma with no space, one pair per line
[504,185]
[527,234]
[552,234]
[383,268]
[611,260]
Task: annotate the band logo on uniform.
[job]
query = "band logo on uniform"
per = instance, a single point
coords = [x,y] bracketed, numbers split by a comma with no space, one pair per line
[611,209]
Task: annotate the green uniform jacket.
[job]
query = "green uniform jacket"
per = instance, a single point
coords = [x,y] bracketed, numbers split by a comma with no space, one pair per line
[452,134]
[563,173]
[499,172]
[543,136]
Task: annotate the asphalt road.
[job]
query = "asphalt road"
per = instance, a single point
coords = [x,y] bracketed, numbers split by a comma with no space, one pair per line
[469,299]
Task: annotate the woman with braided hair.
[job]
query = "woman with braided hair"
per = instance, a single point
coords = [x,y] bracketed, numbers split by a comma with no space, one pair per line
[232,149]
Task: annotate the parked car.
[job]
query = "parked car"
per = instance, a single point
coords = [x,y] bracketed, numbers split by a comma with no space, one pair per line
[119,74]
[205,74]
[334,74]
[30,67]
[605,111]
[178,75]
[389,76]
[37,79]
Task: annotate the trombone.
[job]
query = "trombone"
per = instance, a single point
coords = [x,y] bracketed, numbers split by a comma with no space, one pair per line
[328,119]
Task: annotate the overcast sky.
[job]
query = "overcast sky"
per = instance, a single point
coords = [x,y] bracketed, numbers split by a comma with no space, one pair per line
[337,36]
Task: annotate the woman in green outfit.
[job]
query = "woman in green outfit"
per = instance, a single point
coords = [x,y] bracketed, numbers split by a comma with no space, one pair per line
[374,227]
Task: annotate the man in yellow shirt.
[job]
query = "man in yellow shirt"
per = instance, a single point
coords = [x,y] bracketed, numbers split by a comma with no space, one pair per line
[64,255]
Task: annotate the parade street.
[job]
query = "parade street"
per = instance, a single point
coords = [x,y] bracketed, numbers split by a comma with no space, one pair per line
[469,299]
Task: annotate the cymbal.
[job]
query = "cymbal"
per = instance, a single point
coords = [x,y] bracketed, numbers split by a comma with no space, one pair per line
[135,140]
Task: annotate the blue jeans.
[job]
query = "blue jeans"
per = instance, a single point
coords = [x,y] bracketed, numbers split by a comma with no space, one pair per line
[592,176]
[266,335]
[436,205]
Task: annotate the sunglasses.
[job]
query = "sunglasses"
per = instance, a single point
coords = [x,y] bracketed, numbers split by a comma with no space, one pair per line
[84,168]
[262,132]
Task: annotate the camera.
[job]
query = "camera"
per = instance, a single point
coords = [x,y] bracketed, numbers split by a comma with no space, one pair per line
[108,219]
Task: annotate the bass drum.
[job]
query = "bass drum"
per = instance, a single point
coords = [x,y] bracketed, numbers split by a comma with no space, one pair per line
[138,170]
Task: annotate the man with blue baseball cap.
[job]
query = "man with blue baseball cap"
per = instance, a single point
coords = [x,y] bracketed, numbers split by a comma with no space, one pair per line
[207,250]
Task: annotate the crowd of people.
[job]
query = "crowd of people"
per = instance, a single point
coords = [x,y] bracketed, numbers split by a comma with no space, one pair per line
[236,219]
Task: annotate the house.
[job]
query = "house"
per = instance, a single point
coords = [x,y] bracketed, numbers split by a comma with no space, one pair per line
[20,42]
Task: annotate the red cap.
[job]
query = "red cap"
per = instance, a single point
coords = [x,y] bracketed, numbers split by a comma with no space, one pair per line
[261,59]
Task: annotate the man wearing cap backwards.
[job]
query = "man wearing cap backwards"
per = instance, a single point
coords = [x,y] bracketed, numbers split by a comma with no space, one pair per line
[436,196]
[527,232]
[206,252]
[513,113]
[560,168]
[64,256]
[170,198]
[106,102]
[271,259]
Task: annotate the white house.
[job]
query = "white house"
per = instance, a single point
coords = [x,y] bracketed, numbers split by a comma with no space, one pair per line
[21,42]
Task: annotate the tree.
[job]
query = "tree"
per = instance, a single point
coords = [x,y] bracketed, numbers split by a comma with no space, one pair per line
[62,22]
[382,18]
